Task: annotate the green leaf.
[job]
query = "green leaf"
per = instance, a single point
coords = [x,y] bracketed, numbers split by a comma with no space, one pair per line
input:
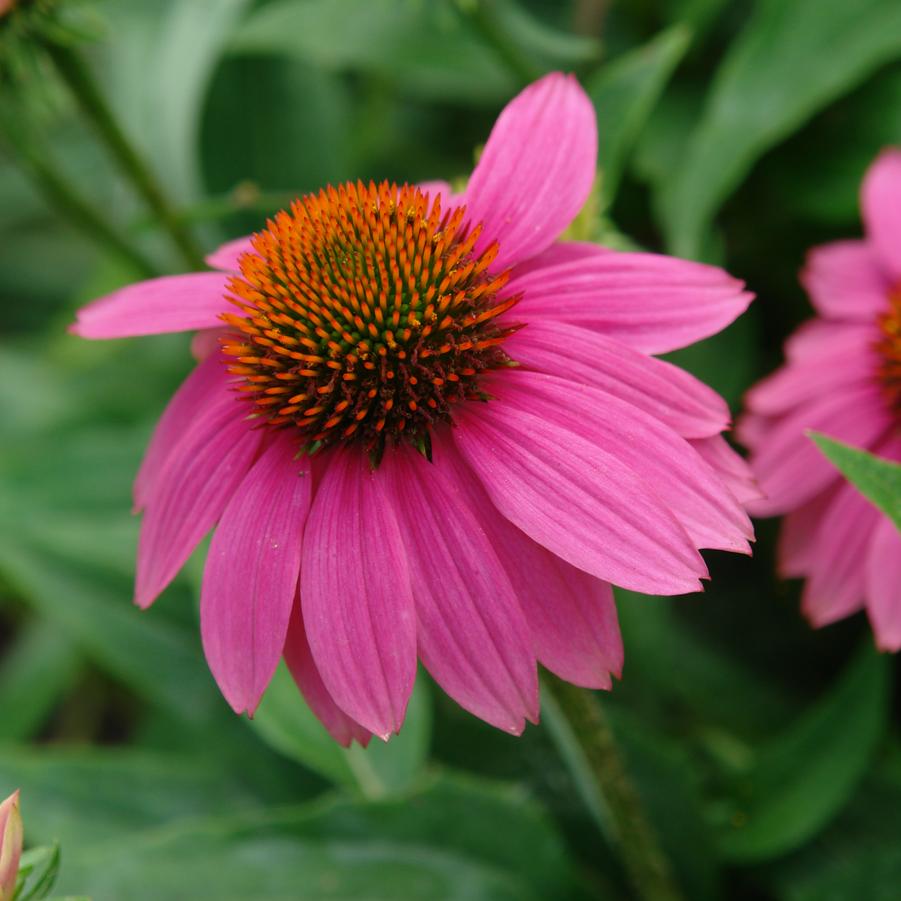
[457,839]
[38,870]
[875,478]
[790,61]
[427,48]
[284,720]
[34,674]
[624,93]
[806,776]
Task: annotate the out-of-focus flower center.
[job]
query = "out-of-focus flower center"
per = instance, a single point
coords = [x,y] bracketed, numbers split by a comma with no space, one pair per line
[365,317]
[889,347]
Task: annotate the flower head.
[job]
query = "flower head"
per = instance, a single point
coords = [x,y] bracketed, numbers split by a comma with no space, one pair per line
[10,845]
[842,378]
[429,430]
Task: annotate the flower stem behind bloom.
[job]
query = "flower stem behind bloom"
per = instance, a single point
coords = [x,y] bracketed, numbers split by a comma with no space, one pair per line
[10,845]
[73,70]
[589,748]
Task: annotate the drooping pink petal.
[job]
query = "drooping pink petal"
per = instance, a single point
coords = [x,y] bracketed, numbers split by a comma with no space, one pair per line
[650,302]
[883,585]
[473,637]
[846,281]
[537,169]
[356,594]
[251,574]
[849,363]
[824,338]
[571,615]
[836,583]
[209,379]
[226,257]
[799,531]
[730,467]
[303,668]
[191,490]
[788,465]
[664,461]
[172,303]
[881,206]
[666,392]
[577,500]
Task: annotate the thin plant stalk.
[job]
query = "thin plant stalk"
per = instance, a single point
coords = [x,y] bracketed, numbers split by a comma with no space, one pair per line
[590,750]
[82,84]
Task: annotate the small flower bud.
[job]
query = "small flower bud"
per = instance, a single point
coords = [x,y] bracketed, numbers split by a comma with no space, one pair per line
[10,845]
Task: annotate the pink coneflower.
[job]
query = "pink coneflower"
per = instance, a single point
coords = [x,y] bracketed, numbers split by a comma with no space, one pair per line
[430,430]
[842,378]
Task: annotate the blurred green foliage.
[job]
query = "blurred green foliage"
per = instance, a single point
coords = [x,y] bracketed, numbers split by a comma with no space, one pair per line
[767,754]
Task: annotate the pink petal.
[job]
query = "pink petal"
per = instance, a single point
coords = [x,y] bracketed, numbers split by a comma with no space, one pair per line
[883,585]
[731,468]
[665,462]
[473,637]
[173,303]
[881,205]
[788,465]
[537,169]
[798,534]
[845,280]
[356,594]
[650,302]
[824,338]
[199,477]
[303,668]
[226,257]
[448,197]
[664,391]
[851,364]
[206,342]
[251,574]
[836,583]
[209,379]
[581,503]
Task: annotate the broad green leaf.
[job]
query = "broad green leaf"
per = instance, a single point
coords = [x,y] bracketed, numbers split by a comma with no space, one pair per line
[456,839]
[284,720]
[35,672]
[790,60]
[158,69]
[805,776]
[624,93]
[85,796]
[877,479]
[428,48]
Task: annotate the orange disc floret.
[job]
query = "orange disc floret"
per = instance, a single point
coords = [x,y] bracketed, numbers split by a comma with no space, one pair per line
[365,315]
[889,347]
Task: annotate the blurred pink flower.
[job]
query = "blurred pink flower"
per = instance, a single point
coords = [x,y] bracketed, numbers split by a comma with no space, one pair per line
[842,378]
[420,493]
[10,845]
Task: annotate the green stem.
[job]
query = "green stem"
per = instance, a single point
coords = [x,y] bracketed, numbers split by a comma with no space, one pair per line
[58,192]
[484,17]
[80,81]
[588,746]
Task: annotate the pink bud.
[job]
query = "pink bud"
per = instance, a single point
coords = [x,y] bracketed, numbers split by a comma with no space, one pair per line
[10,843]
[6,6]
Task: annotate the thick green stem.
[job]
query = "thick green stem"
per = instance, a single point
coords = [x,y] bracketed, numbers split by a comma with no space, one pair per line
[58,192]
[80,81]
[589,748]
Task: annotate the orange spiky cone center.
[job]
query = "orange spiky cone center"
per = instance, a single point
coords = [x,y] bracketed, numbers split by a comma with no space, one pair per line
[365,315]
[889,348]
